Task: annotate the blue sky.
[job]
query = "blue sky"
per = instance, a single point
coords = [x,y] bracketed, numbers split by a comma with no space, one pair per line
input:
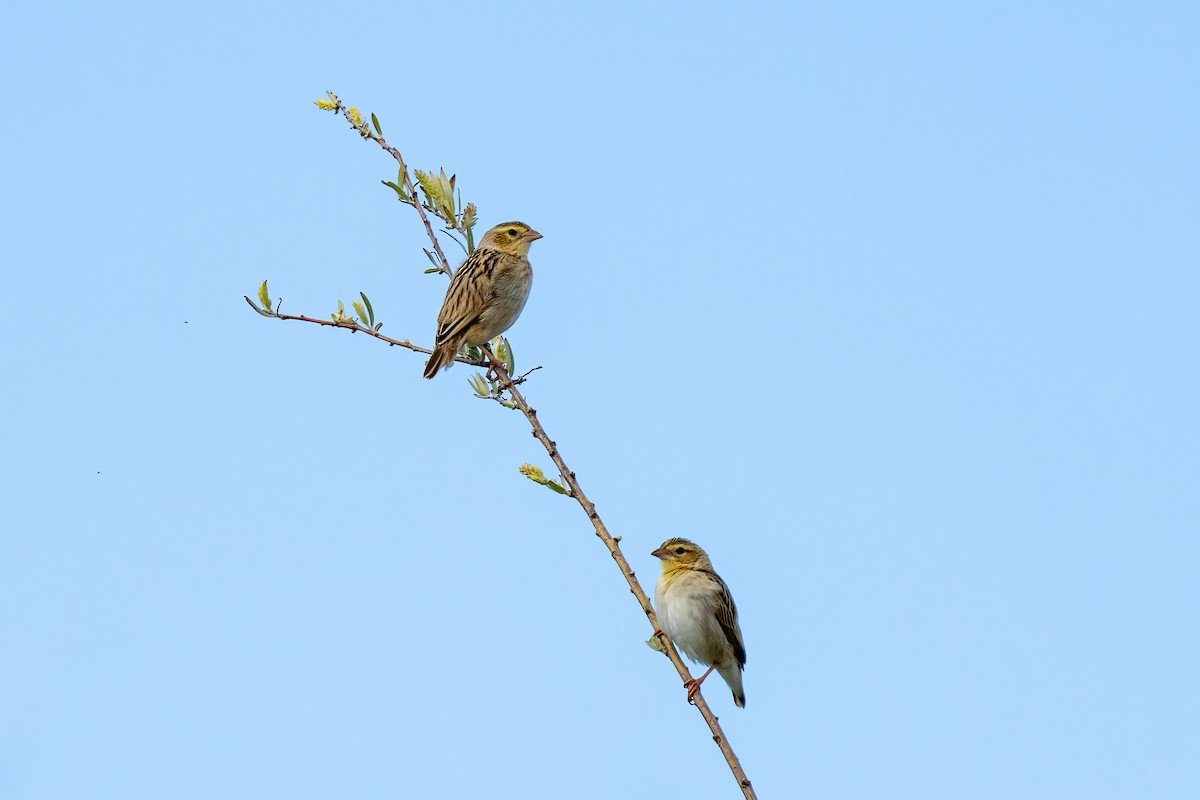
[892,307]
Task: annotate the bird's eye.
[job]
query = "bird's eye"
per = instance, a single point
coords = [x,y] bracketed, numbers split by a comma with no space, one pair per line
[512,231]
[680,551]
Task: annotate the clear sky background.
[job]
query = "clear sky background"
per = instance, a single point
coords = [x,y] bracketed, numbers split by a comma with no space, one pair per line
[892,307]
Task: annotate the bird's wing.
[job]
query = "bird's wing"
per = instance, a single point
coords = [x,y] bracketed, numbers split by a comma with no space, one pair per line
[470,289]
[728,618]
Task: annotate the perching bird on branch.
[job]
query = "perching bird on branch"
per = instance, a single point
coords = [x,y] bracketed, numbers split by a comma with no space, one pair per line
[696,610]
[486,294]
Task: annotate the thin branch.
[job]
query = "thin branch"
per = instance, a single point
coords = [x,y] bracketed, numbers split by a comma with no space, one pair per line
[521,378]
[614,548]
[367,133]
[354,327]
[576,491]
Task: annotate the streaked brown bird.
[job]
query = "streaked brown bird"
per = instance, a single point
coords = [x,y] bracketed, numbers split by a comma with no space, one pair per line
[696,610]
[486,294]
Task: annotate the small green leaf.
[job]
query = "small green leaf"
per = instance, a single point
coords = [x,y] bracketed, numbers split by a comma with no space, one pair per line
[427,272]
[340,316]
[370,311]
[655,643]
[447,195]
[362,313]
[439,194]
[479,385]
[503,351]
[401,195]
[469,218]
[375,122]
[431,187]
[263,297]
[258,310]
[535,474]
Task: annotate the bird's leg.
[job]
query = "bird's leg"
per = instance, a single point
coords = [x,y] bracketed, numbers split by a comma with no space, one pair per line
[492,375]
[693,685]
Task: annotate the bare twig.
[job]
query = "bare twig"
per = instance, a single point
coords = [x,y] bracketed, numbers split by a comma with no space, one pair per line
[521,378]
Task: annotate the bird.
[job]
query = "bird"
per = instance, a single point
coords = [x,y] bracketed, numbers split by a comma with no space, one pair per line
[696,610]
[486,294]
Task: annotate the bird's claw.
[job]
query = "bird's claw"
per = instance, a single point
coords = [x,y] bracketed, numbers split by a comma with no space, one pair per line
[492,375]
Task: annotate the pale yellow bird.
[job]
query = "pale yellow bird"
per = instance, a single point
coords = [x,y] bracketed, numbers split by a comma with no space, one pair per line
[696,610]
[486,294]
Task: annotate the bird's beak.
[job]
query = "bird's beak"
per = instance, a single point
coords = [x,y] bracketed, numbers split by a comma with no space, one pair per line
[662,552]
[531,235]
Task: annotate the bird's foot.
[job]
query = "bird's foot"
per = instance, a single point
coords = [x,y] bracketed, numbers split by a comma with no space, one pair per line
[492,375]
[693,685]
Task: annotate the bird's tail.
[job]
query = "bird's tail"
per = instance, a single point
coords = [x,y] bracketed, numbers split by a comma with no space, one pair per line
[443,356]
[733,676]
